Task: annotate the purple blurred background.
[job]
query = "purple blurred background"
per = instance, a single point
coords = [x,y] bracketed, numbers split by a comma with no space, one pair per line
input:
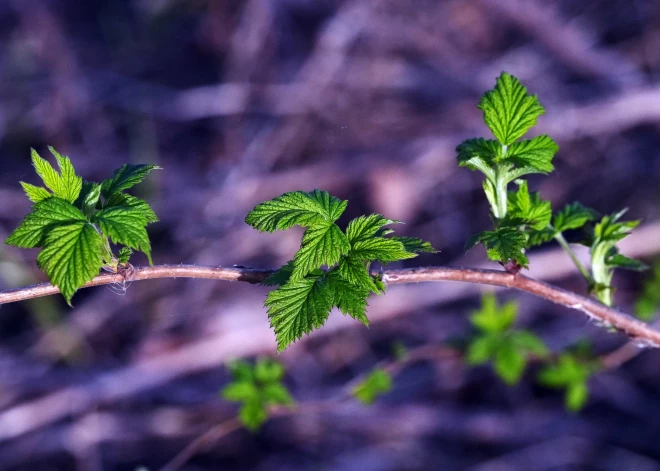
[240,101]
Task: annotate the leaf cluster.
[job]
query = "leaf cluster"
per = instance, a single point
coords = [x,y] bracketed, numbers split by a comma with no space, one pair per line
[257,388]
[498,342]
[306,292]
[570,372]
[377,383]
[72,221]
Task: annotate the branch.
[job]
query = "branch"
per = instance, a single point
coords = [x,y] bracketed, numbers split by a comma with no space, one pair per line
[637,330]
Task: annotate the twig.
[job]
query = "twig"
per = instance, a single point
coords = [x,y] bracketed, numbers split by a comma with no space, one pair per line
[637,330]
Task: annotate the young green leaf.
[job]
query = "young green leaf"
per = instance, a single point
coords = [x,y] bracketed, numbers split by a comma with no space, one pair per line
[125,225]
[125,177]
[35,193]
[569,373]
[509,362]
[349,298]
[381,249]
[253,414]
[124,200]
[528,209]
[492,318]
[66,184]
[353,270]
[280,276]
[299,307]
[71,256]
[504,244]
[321,245]
[124,255]
[415,245]
[479,154]
[573,216]
[366,227]
[45,216]
[267,370]
[536,154]
[481,349]
[621,261]
[378,382]
[297,208]
[509,111]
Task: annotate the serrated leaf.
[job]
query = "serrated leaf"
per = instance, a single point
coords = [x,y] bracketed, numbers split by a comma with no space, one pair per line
[125,225]
[124,255]
[316,208]
[415,245]
[535,238]
[66,184]
[71,256]
[365,227]
[45,216]
[479,154]
[378,382]
[321,245]
[280,276]
[509,363]
[35,193]
[536,153]
[277,393]
[299,307]
[610,229]
[125,177]
[267,370]
[381,249]
[481,349]
[621,261]
[509,111]
[240,391]
[349,298]
[504,244]
[528,209]
[573,216]
[353,270]
[122,199]
[71,183]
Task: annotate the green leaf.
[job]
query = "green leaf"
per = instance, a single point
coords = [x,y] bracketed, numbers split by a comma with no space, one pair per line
[71,256]
[299,307]
[124,200]
[492,318]
[366,227]
[573,216]
[125,225]
[89,197]
[241,371]
[576,396]
[565,371]
[280,276]
[350,299]
[124,255]
[536,153]
[381,249]
[414,245]
[509,362]
[267,370]
[610,229]
[240,391]
[316,208]
[540,237]
[45,216]
[479,154]
[125,177]
[253,414]
[277,394]
[509,111]
[321,245]
[528,209]
[481,349]
[378,382]
[354,271]
[66,184]
[35,193]
[621,261]
[527,342]
[504,244]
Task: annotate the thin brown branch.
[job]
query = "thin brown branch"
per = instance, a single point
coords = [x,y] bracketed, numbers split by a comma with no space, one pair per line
[637,330]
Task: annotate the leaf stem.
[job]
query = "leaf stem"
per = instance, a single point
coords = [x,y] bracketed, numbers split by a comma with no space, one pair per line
[559,237]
